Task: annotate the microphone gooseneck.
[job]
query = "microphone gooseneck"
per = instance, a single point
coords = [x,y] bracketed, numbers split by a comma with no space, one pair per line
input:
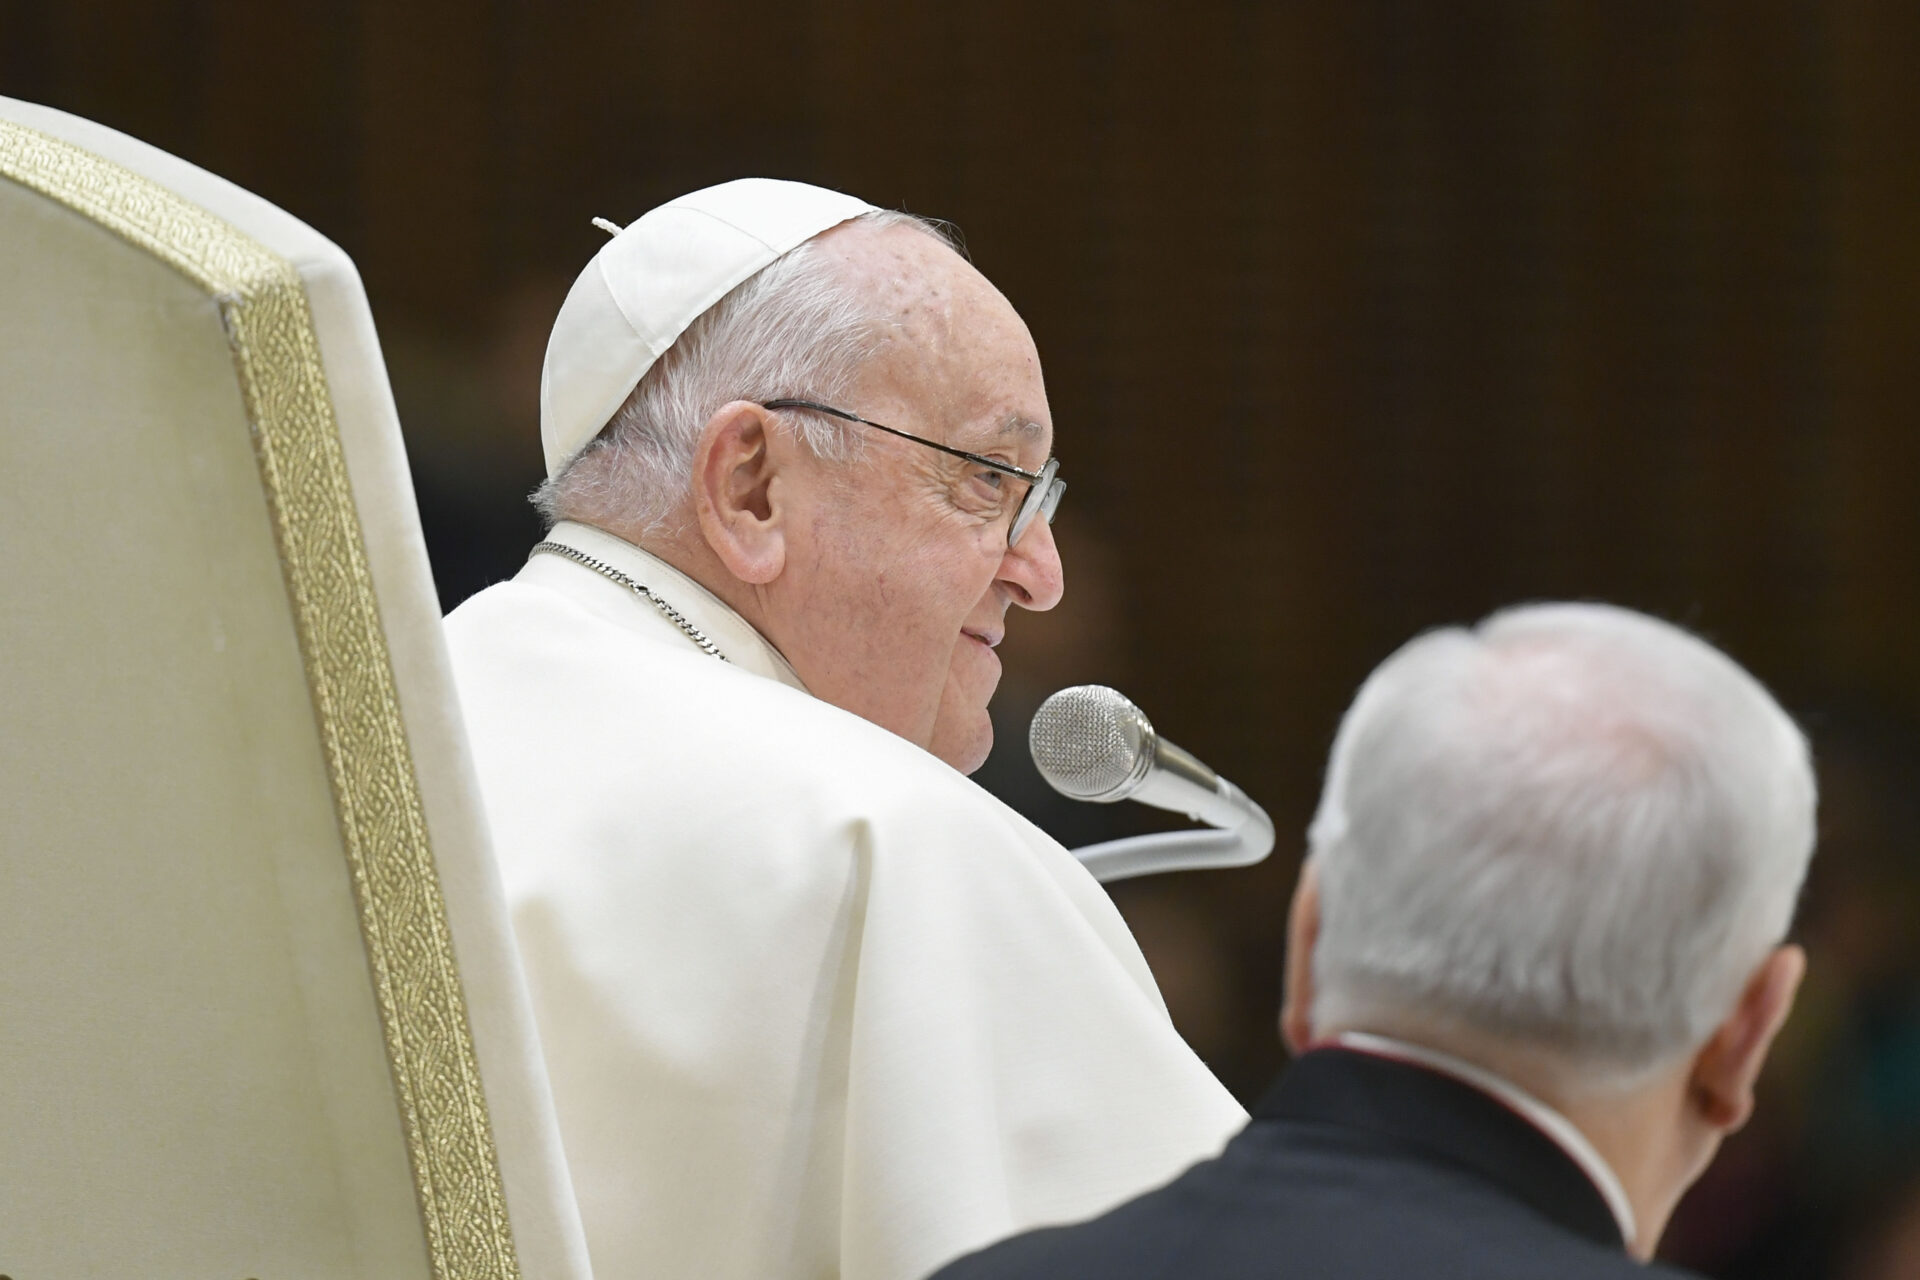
[1092,743]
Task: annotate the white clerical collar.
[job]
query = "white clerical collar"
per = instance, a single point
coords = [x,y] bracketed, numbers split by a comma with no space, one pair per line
[731,634]
[1537,1113]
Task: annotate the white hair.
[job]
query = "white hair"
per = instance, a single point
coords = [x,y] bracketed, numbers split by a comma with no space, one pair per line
[1575,830]
[796,328]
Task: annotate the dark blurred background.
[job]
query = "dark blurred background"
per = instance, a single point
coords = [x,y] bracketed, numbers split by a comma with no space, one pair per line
[1358,317]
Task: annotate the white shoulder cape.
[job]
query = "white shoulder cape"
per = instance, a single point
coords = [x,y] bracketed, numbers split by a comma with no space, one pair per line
[813,1003]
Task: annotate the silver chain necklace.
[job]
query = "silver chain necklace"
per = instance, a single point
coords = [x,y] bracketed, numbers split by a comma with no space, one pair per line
[667,611]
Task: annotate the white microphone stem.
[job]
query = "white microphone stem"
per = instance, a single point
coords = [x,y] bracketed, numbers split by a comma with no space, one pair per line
[1243,834]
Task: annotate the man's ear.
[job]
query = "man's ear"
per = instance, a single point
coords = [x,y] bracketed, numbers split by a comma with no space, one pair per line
[1303,930]
[737,467]
[1725,1069]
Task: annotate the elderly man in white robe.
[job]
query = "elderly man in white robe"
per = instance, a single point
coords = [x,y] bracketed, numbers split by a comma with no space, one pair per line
[813,1003]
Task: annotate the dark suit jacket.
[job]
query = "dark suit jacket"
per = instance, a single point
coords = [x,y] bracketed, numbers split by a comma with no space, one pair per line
[1354,1167]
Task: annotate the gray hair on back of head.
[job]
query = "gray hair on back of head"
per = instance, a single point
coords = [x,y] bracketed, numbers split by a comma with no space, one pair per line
[795,328]
[1574,829]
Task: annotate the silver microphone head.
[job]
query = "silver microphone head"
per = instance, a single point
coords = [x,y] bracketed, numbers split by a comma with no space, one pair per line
[1090,742]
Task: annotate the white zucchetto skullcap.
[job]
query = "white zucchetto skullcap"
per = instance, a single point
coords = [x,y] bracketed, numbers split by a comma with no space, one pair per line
[655,278]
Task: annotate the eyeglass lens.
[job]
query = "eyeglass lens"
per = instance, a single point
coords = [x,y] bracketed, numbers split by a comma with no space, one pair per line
[1042,498]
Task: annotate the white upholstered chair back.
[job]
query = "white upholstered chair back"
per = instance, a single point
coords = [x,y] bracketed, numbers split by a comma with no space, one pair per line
[260,1014]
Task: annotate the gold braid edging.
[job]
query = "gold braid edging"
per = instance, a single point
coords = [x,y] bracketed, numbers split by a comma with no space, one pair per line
[376,796]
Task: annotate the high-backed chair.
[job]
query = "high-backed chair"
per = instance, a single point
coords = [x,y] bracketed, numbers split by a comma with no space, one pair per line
[260,1013]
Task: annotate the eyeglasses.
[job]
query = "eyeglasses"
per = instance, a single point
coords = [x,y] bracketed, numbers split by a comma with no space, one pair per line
[1044,486]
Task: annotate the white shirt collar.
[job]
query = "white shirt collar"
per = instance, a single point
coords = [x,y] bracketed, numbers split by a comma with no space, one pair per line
[732,634]
[1537,1113]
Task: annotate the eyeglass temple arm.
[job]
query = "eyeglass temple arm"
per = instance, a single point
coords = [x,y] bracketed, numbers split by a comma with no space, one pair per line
[1031,477]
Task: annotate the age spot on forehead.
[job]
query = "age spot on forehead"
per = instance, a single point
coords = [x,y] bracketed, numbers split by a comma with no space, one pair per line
[952,352]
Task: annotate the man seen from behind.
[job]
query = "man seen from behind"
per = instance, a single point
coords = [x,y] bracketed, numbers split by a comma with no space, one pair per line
[1536,959]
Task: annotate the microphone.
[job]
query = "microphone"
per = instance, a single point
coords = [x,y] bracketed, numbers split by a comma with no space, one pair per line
[1092,743]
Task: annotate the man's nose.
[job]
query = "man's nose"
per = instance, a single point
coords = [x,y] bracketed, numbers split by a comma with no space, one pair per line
[1032,568]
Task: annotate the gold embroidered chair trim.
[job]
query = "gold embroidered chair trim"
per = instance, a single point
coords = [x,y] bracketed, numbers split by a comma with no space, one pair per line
[303,470]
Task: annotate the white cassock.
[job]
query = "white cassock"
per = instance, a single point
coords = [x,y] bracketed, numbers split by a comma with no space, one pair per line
[813,1003]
